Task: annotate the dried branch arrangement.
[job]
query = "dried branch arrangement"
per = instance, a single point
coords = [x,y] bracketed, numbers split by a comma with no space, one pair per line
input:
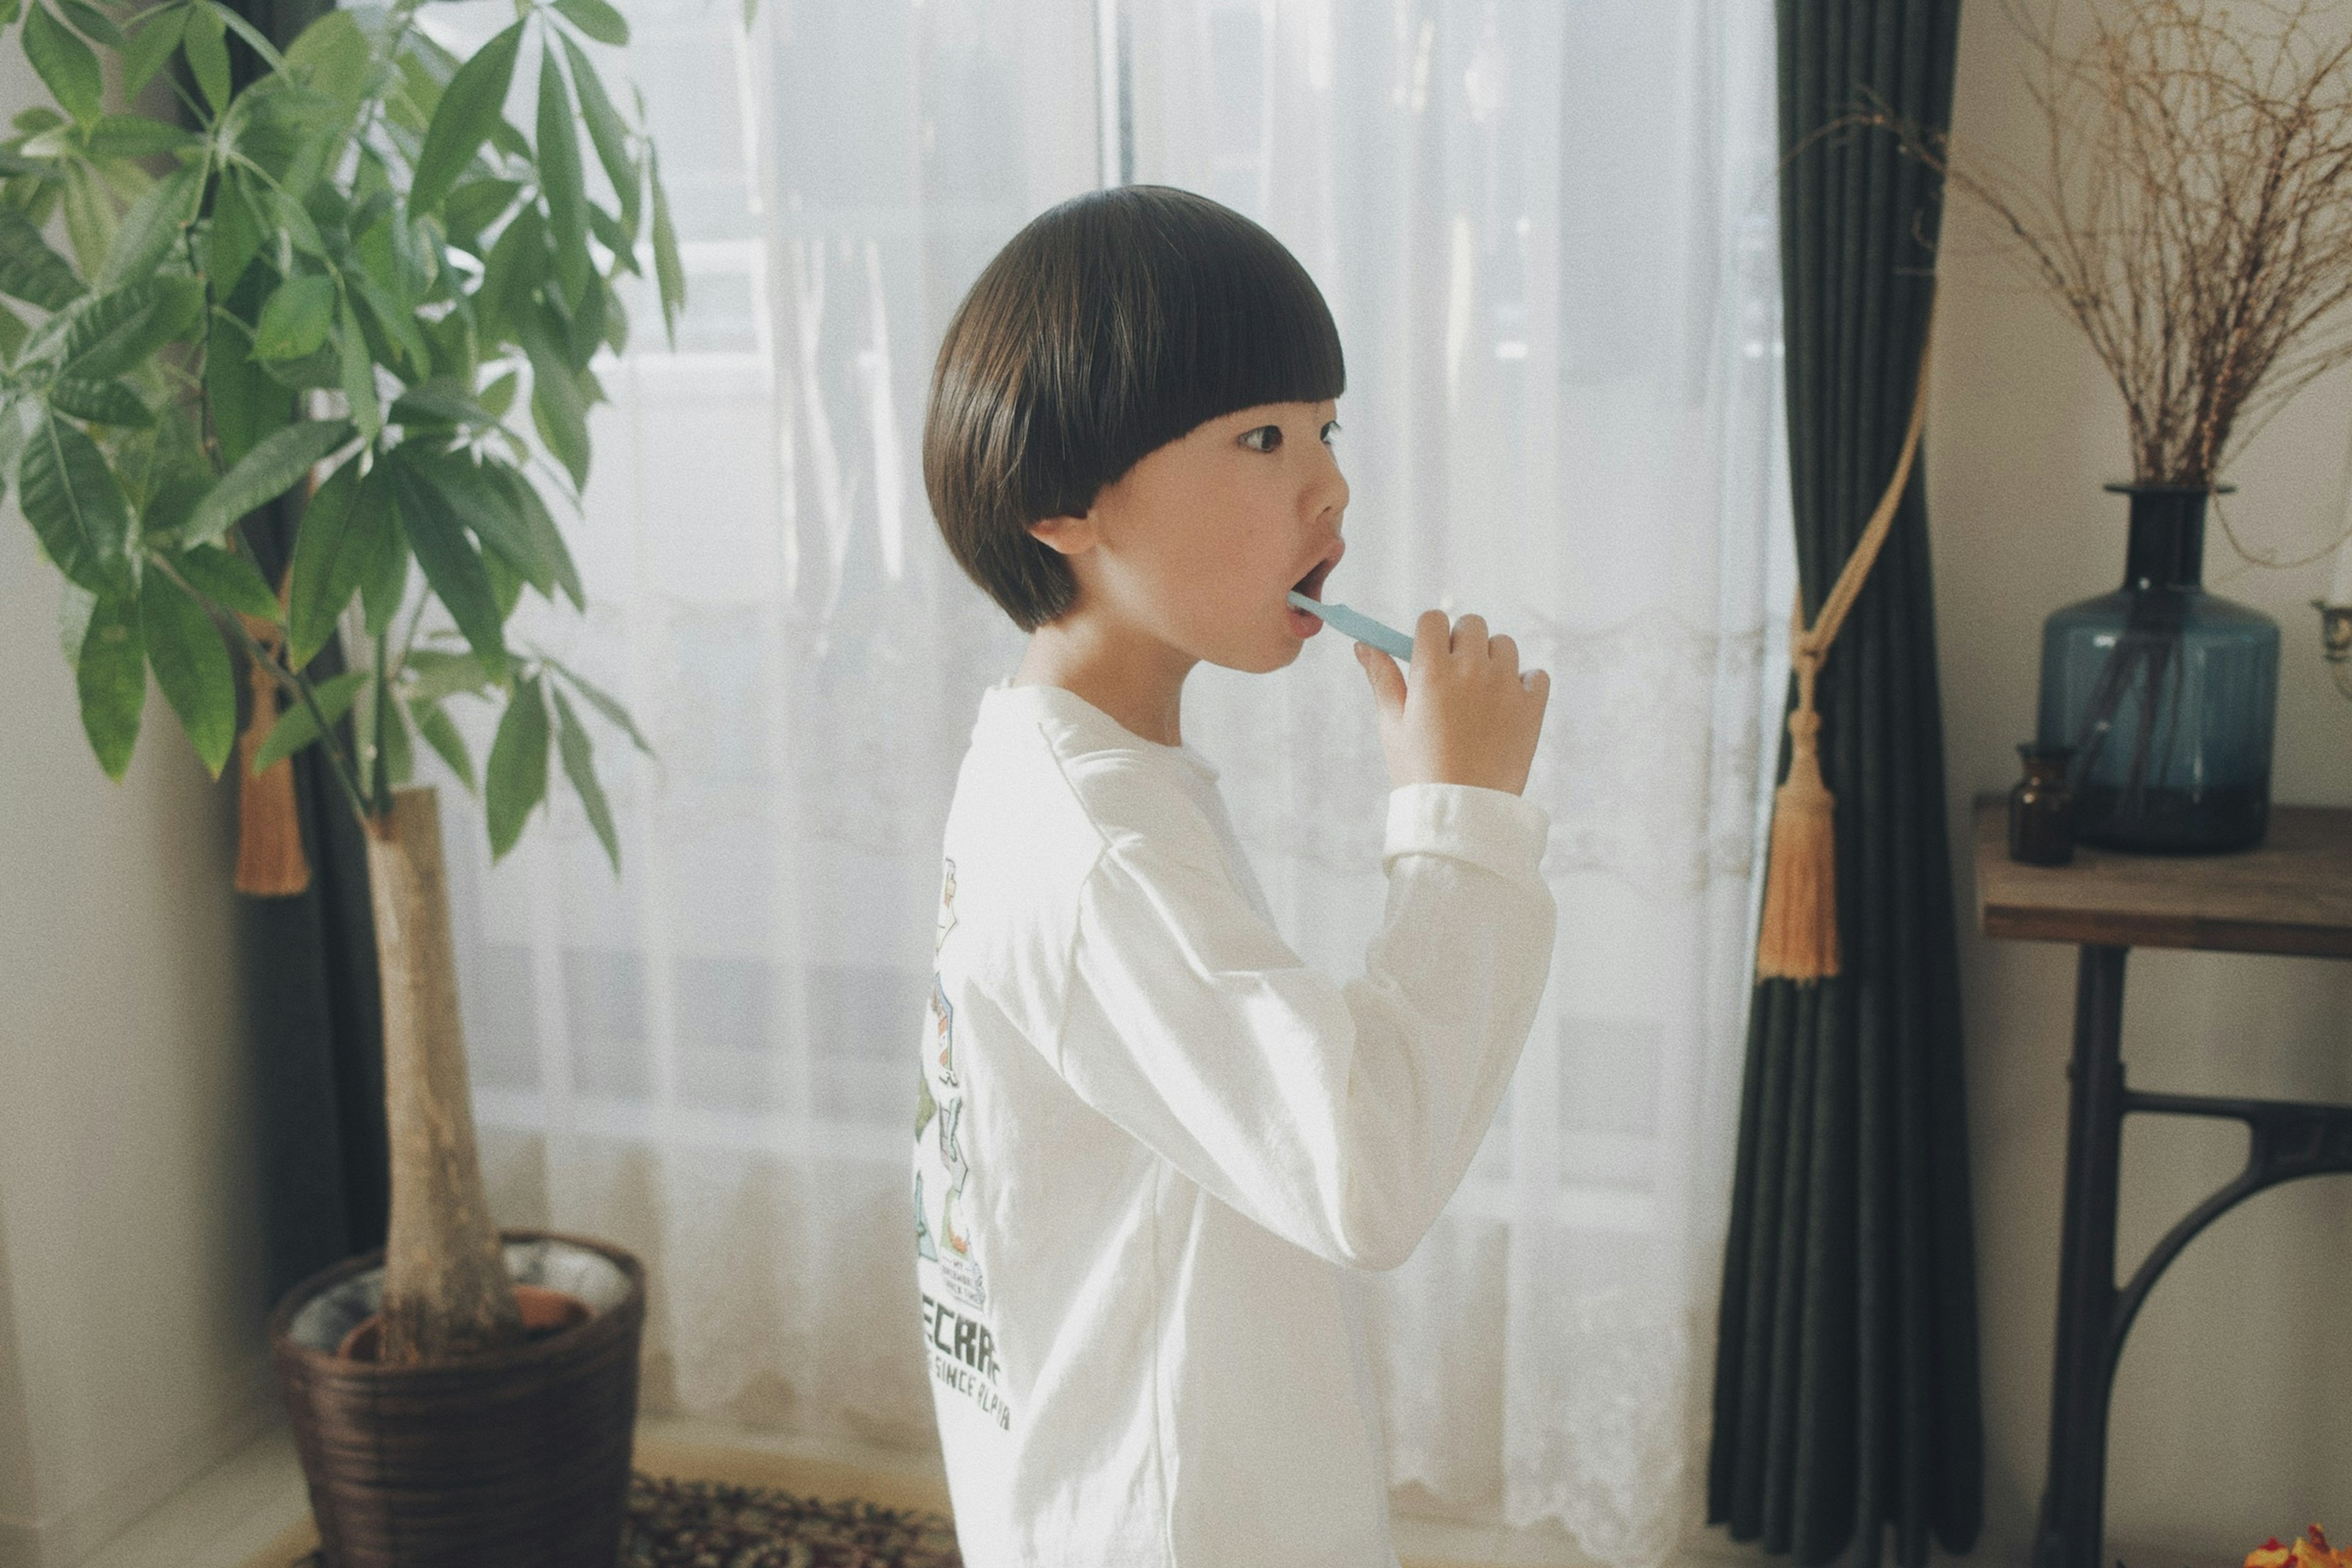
[2194,214]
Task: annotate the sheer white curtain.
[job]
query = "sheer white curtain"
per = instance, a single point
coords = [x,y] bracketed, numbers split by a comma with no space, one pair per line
[1548,233]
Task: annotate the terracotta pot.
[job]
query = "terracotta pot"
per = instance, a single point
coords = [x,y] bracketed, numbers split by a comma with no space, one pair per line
[518,1458]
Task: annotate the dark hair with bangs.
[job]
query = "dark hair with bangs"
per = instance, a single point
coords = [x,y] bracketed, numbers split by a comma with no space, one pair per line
[1111,325]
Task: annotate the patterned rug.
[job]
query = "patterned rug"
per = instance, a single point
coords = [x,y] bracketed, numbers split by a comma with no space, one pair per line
[709,1524]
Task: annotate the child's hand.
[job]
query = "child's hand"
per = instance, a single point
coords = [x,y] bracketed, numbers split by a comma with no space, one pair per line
[1469,716]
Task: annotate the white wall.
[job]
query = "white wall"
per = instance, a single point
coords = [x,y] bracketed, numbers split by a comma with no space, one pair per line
[2229,1418]
[131,1343]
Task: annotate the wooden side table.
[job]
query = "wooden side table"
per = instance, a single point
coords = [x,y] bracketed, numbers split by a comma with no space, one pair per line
[2291,896]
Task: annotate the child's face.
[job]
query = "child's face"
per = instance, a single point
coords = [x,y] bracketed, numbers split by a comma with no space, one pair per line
[1200,543]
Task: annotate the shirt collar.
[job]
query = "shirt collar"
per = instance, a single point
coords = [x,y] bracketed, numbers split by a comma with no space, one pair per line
[1059,703]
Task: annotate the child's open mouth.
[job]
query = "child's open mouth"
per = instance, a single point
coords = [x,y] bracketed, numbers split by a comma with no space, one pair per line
[1303,623]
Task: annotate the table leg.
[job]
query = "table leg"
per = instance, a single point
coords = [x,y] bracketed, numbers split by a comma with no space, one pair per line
[2074,1499]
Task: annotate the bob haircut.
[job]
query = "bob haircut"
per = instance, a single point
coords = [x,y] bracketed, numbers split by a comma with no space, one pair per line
[1111,325]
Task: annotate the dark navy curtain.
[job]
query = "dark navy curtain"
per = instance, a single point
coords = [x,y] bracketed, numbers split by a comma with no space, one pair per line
[1846,1405]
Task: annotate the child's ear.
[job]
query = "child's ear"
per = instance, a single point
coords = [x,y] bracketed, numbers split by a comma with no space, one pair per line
[1070,535]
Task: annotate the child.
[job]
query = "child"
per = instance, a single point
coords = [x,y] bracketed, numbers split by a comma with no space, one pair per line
[1150,1140]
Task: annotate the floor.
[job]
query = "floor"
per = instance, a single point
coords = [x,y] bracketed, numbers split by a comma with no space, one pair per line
[249,1511]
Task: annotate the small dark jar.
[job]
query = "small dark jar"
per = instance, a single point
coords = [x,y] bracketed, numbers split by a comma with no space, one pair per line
[2042,807]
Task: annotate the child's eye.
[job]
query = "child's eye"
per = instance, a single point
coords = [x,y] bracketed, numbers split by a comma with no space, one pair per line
[1330,428]
[1265,438]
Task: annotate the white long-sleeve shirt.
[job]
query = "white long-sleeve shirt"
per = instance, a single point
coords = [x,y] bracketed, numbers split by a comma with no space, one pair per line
[1150,1139]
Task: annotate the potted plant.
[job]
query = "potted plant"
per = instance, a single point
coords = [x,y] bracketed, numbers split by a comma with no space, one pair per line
[339,284]
[2193,219]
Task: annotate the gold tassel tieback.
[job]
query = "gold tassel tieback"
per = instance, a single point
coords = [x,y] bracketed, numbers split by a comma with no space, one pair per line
[269,860]
[1798,939]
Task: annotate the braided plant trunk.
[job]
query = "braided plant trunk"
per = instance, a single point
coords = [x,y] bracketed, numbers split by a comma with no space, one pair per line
[445,1288]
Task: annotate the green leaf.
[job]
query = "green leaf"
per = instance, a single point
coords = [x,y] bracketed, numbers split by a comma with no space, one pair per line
[247,403]
[90,215]
[74,603]
[77,507]
[191,665]
[474,206]
[585,332]
[120,331]
[257,40]
[236,237]
[399,756]
[607,133]
[400,753]
[560,179]
[101,402]
[175,485]
[415,356]
[150,228]
[232,582]
[668,270]
[262,475]
[467,491]
[333,546]
[452,566]
[517,776]
[150,47]
[434,676]
[29,270]
[506,583]
[596,19]
[499,396]
[333,53]
[383,575]
[547,539]
[359,374]
[443,400]
[559,408]
[580,767]
[514,265]
[294,218]
[442,735]
[11,333]
[93,23]
[111,676]
[509,141]
[603,701]
[67,64]
[207,50]
[321,369]
[617,239]
[294,728]
[295,319]
[470,105]
[133,136]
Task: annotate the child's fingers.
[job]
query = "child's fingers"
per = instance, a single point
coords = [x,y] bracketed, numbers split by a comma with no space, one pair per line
[1434,632]
[1388,682]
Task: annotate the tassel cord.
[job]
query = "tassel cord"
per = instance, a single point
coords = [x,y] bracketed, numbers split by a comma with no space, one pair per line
[1798,936]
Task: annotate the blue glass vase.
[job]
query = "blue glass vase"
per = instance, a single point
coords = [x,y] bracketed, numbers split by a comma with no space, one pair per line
[2168,695]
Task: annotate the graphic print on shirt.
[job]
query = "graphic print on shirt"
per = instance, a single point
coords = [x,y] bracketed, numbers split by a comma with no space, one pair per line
[923,1247]
[943,1031]
[951,1156]
[959,1342]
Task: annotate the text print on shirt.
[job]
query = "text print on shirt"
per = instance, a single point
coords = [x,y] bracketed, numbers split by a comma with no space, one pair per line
[960,1345]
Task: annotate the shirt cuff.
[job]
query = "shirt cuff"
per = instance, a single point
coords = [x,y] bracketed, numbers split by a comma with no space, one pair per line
[1492,829]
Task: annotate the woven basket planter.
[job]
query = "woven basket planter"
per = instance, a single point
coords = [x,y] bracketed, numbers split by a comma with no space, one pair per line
[514,1460]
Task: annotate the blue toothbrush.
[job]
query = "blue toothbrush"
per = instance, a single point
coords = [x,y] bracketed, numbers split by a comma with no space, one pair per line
[1361,628]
